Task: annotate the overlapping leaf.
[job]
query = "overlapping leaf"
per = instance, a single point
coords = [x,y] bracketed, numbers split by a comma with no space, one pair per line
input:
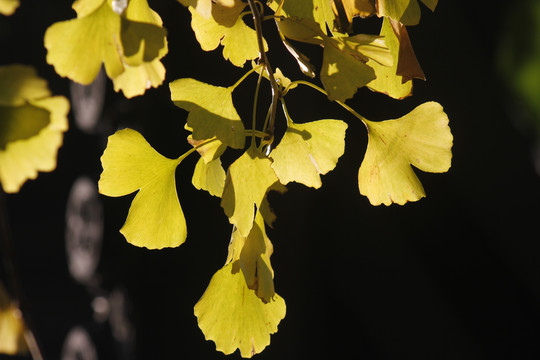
[406,12]
[421,138]
[8,7]
[225,27]
[77,48]
[155,218]
[249,178]
[32,123]
[211,111]
[209,176]
[309,150]
[234,317]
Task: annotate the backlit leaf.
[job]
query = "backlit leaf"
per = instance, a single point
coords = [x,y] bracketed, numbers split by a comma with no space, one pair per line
[8,7]
[77,48]
[32,123]
[203,7]
[209,176]
[406,12]
[248,180]
[239,41]
[234,317]
[211,111]
[155,218]
[421,138]
[346,10]
[309,150]
[12,327]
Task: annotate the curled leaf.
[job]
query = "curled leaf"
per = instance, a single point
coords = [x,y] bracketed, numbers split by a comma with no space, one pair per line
[155,219]
[406,12]
[421,138]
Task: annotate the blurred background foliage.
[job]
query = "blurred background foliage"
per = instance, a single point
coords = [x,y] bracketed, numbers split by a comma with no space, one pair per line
[454,276]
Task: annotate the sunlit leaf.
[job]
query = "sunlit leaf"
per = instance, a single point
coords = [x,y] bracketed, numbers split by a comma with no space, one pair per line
[309,150]
[8,7]
[248,180]
[346,10]
[209,176]
[77,48]
[203,7]
[135,80]
[155,218]
[387,80]
[234,317]
[211,111]
[406,12]
[239,41]
[32,123]
[12,327]
[421,138]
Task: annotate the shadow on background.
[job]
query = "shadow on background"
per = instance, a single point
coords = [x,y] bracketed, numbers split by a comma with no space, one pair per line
[454,276]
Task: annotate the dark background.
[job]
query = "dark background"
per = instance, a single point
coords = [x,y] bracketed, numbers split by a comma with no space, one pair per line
[453,276]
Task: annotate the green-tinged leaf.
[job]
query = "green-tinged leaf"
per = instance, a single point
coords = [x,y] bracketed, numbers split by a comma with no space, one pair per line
[281,79]
[406,12]
[8,7]
[387,81]
[32,124]
[239,40]
[155,218]
[421,138]
[309,150]
[211,111]
[248,180]
[209,176]
[316,12]
[234,317]
[301,29]
[77,48]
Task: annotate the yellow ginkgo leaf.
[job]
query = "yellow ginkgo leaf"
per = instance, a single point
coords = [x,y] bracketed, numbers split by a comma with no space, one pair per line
[239,40]
[8,7]
[32,124]
[421,138]
[203,7]
[387,80]
[211,111]
[209,176]
[77,48]
[309,150]
[155,219]
[234,317]
[249,178]
[253,254]
[135,80]
[12,327]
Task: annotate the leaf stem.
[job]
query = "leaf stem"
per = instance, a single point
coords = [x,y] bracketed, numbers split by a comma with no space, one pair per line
[254,114]
[321,90]
[263,60]
[255,68]
[195,148]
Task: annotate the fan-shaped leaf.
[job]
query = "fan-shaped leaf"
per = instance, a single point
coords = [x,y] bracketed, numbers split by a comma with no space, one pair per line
[155,218]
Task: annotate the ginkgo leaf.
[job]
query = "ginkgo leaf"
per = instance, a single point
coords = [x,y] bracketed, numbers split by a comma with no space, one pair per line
[8,7]
[253,254]
[406,12]
[234,317]
[209,150]
[32,123]
[209,176]
[387,81]
[281,79]
[346,10]
[421,138]
[407,66]
[77,48]
[143,69]
[249,178]
[239,40]
[12,327]
[155,219]
[309,150]
[203,7]
[211,111]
